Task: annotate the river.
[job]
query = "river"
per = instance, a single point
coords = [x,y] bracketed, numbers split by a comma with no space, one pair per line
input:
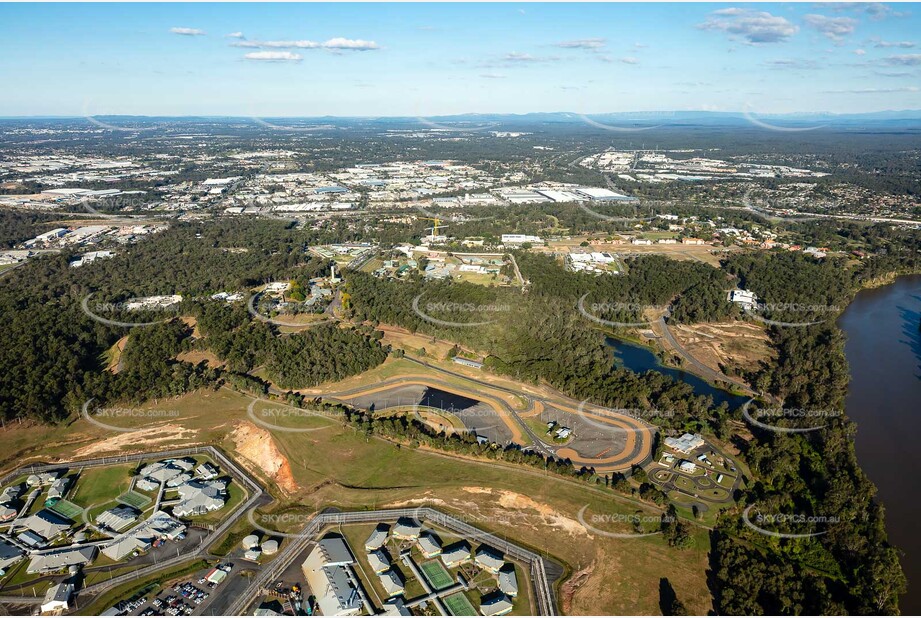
[884,399]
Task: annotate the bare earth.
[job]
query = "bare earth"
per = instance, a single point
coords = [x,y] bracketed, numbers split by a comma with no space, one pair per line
[735,345]
[258,446]
[138,440]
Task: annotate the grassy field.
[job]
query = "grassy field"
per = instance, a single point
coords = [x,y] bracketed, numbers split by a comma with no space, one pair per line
[99,485]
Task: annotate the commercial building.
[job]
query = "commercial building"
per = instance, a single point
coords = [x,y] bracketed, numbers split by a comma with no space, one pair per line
[327,570]
[743,298]
[519,239]
[602,195]
[686,443]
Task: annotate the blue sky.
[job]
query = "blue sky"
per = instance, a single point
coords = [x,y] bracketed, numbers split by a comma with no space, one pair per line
[426,59]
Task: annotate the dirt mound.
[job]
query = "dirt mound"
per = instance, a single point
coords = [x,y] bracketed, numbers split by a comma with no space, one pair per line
[568,589]
[257,446]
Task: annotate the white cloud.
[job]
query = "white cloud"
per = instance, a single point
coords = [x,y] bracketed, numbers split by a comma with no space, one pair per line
[629,60]
[898,44]
[860,52]
[791,63]
[187,31]
[522,58]
[354,44]
[907,60]
[875,90]
[235,35]
[337,44]
[835,28]
[875,10]
[492,76]
[274,56]
[756,27]
[592,43]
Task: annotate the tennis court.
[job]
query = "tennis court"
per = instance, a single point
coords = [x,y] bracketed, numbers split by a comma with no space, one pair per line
[133,498]
[437,575]
[459,605]
[67,509]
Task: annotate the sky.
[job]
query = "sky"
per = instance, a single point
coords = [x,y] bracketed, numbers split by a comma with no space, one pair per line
[421,59]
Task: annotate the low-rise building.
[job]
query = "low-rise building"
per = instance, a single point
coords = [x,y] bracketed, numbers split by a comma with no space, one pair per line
[456,554]
[198,497]
[59,559]
[743,298]
[117,518]
[57,598]
[496,603]
[489,558]
[407,529]
[508,580]
[686,443]
[10,554]
[429,545]
[377,538]
[392,582]
[378,561]
[46,524]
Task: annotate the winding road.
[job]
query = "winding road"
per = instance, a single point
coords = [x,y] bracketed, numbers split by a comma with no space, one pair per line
[630,439]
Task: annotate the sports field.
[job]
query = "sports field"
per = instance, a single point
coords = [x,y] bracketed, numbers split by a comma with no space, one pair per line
[133,498]
[459,605]
[437,575]
[67,509]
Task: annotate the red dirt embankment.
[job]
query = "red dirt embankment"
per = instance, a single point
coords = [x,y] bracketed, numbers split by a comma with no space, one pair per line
[258,447]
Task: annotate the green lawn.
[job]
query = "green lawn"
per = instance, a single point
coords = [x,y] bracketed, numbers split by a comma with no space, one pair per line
[103,484]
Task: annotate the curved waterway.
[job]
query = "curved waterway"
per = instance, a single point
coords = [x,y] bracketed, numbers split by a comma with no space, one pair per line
[884,398]
[638,359]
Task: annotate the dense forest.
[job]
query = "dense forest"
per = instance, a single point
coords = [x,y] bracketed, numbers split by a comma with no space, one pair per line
[54,353]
